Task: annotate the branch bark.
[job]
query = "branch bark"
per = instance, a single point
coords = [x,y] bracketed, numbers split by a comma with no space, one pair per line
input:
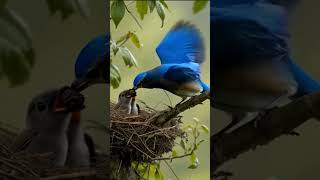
[166,115]
[262,130]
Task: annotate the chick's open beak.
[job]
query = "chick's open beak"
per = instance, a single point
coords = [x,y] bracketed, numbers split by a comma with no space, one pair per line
[58,105]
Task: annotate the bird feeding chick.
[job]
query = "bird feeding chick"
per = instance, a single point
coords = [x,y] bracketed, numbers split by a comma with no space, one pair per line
[181,54]
[47,124]
[127,102]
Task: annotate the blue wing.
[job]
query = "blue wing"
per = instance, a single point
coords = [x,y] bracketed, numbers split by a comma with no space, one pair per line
[95,51]
[181,74]
[238,36]
[183,44]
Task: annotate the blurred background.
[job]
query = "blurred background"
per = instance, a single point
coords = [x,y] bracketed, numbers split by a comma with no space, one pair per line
[57,43]
[288,157]
[150,36]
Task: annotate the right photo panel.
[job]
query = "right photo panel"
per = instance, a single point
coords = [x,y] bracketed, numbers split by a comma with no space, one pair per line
[265,90]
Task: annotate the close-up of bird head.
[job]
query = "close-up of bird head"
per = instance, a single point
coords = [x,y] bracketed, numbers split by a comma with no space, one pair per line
[138,80]
[91,66]
[52,105]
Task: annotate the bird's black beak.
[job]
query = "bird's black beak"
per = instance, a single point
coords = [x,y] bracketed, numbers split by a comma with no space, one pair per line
[80,85]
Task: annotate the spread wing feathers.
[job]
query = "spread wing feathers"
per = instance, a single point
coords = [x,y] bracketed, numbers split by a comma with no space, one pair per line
[237,31]
[182,44]
[180,74]
[95,51]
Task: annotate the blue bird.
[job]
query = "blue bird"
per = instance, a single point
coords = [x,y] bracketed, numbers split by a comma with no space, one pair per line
[181,53]
[253,70]
[91,66]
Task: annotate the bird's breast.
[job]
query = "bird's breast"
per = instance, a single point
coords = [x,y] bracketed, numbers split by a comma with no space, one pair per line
[187,89]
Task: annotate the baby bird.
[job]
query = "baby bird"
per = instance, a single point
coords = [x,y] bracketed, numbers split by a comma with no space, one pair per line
[124,102]
[78,150]
[47,123]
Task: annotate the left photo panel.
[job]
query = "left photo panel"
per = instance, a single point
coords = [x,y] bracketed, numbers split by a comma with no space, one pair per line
[54,76]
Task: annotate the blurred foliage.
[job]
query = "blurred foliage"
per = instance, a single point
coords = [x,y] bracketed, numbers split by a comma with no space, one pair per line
[118,9]
[69,7]
[17,56]
[189,144]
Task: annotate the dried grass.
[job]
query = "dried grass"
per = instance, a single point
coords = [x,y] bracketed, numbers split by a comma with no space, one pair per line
[134,138]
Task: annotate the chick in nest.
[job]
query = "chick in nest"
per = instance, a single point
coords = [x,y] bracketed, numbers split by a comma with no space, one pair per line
[127,102]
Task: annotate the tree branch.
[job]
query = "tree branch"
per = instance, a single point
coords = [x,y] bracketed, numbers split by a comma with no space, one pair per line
[164,116]
[262,130]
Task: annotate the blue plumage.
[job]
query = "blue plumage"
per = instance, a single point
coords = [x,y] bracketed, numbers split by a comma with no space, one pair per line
[181,52]
[91,66]
[252,66]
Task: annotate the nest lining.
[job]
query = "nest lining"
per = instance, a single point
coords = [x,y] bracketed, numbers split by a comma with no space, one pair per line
[134,138]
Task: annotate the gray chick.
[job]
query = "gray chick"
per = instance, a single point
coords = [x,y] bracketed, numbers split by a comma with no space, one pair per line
[80,151]
[135,109]
[47,122]
[124,102]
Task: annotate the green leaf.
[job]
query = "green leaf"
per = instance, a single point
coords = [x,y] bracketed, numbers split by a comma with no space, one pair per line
[135,40]
[114,47]
[118,10]
[115,77]
[158,175]
[127,56]
[174,153]
[142,8]
[183,144]
[83,8]
[160,11]
[193,166]
[194,161]
[199,5]
[164,4]
[205,128]
[196,119]
[152,5]
[68,7]
[16,52]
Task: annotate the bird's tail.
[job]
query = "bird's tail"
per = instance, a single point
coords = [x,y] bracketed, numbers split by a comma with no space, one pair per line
[306,84]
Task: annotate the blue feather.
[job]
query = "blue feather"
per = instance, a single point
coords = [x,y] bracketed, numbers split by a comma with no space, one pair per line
[95,51]
[238,37]
[183,44]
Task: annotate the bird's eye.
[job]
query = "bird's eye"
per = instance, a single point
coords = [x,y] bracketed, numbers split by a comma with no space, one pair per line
[41,106]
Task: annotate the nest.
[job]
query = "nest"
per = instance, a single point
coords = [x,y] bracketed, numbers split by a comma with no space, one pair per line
[135,138]
[23,166]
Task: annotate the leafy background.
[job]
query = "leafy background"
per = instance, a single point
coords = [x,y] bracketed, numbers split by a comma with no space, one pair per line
[150,35]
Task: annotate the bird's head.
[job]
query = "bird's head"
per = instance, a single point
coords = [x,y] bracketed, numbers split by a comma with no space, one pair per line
[139,80]
[91,66]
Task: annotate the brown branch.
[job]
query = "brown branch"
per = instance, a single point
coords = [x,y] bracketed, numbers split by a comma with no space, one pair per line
[262,130]
[163,116]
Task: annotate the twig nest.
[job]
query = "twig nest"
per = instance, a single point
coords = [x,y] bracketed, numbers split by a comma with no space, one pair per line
[135,138]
